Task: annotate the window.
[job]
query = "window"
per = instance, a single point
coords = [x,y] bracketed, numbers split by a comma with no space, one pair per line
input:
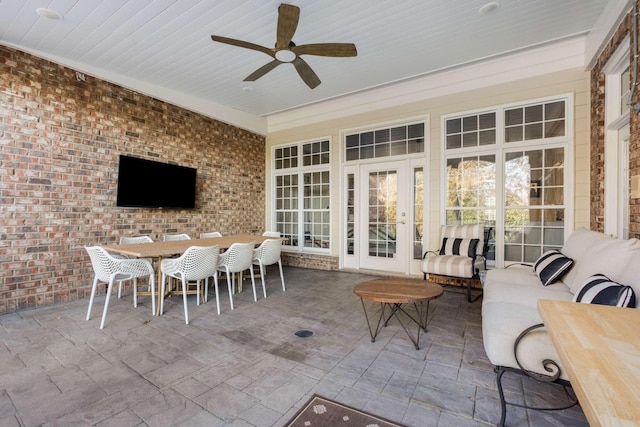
[471,189]
[534,203]
[625,90]
[302,194]
[512,177]
[534,122]
[471,131]
[396,141]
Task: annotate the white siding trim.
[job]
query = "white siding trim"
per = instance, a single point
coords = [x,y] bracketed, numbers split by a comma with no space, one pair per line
[549,58]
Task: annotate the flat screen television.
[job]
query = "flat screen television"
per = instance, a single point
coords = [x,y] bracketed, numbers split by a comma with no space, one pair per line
[149,184]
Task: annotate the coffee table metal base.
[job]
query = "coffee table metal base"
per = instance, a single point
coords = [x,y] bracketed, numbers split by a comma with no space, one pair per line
[421,321]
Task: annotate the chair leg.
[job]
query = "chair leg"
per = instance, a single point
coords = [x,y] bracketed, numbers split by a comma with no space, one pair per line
[162,287]
[153,294]
[230,290]
[106,304]
[93,294]
[206,289]
[135,292]
[215,282]
[253,284]
[281,276]
[262,274]
[119,289]
[198,292]
[184,300]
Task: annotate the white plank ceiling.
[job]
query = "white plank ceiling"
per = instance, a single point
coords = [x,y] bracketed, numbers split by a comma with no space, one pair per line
[167,43]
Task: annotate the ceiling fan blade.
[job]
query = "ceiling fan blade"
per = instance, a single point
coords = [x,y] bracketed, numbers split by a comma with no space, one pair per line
[326,49]
[241,43]
[262,71]
[306,73]
[288,17]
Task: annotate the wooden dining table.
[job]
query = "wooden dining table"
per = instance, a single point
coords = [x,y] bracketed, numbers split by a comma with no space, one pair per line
[160,250]
[599,347]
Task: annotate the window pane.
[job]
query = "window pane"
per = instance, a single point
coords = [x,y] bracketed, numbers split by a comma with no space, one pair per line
[454,141]
[471,189]
[554,110]
[533,114]
[386,142]
[470,123]
[513,117]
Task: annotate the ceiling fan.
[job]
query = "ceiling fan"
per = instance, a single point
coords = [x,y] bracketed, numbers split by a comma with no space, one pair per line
[285,49]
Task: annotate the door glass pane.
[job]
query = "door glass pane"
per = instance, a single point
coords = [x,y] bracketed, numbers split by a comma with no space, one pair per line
[351,211]
[382,213]
[418,212]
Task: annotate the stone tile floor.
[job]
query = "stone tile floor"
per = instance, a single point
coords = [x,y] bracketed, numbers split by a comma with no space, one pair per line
[247,368]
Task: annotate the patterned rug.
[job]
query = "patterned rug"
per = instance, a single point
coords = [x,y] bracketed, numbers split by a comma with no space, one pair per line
[322,412]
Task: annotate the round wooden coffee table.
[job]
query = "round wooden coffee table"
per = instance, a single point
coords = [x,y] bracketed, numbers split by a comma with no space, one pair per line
[394,292]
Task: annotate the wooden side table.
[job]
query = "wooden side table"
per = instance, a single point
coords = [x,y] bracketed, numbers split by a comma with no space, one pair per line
[393,293]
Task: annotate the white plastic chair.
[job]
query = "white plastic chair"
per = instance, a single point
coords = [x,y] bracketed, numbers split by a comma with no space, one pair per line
[237,259]
[130,240]
[271,234]
[210,234]
[195,264]
[109,269]
[268,253]
[174,237]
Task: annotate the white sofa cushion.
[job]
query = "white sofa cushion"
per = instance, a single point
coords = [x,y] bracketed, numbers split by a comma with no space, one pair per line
[520,286]
[596,253]
[502,322]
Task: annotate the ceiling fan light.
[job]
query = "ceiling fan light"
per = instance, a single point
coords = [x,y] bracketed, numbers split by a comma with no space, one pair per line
[285,55]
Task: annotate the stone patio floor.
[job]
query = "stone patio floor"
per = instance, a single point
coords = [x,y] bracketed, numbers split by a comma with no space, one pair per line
[246,367]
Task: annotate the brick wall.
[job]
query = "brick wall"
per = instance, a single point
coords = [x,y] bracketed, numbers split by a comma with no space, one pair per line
[59,141]
[598,133]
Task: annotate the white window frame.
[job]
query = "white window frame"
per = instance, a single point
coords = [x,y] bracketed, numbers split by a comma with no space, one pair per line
[501,148]
[616,125]
[300,170]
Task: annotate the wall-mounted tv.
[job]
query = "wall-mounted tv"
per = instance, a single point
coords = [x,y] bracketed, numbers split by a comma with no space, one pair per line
[149,184]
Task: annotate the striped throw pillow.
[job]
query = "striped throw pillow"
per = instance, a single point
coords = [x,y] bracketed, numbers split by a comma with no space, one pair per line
[598,289]
[455,246]
[551,266]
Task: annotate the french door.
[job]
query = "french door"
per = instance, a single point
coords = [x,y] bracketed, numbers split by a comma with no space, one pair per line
[383,221]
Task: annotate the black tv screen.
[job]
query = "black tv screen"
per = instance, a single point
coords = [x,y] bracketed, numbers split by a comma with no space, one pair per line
[150,184]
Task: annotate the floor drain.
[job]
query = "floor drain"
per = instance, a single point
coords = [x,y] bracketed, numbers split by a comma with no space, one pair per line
[304,333]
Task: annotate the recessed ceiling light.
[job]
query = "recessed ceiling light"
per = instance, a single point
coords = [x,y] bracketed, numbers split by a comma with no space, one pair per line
[489,7]
[48,13]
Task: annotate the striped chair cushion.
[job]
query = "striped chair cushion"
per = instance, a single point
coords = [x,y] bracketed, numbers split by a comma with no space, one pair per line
[454,246]
[598,289]
[551,266]
[448,265]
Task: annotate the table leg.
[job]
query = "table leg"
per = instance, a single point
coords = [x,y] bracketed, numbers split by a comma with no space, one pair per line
[373,335]
[159,286]
[421,321]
